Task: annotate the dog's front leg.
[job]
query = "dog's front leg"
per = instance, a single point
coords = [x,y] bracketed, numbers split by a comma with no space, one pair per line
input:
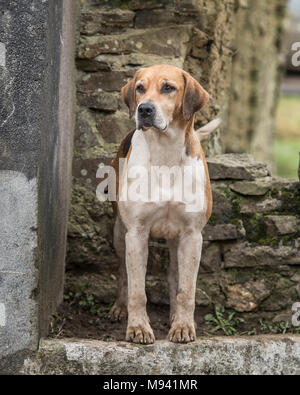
[138,327]
[189,254]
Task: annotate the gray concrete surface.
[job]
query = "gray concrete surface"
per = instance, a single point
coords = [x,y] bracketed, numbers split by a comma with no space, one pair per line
[36,126]
[268,355]
[18,279]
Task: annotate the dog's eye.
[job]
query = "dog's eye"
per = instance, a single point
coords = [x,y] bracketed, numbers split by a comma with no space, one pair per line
[168,88]
[140,89]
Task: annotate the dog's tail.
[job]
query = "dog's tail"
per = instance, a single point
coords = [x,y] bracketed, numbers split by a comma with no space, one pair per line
[210,127]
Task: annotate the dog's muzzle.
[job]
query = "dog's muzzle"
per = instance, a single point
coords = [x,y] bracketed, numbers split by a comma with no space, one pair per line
[146,115]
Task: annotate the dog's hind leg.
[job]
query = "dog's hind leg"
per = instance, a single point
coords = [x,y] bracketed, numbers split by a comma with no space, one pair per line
[119,309]
[173,275]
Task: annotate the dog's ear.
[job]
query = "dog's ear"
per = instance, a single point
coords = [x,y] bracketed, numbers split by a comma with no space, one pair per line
[128,94]
[194,97]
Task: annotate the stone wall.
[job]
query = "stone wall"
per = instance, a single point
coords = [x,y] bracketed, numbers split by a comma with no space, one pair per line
[251,252]
[116,39]
[209,39]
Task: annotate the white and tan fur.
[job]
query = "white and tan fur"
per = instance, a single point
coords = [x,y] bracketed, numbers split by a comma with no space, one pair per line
[169,141]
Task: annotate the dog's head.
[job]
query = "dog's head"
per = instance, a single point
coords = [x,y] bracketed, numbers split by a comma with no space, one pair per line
[160,95]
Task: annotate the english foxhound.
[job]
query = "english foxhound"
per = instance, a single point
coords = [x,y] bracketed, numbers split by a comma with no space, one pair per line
[164,100]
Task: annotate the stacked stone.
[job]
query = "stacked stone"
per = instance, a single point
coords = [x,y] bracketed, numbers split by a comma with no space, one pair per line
[117,38]
[251,250]
[251,255]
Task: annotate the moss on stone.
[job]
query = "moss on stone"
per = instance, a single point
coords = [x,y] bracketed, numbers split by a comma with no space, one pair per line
[241,275]
[270,241]
[291,200]
[90,226]
[288,239]
[213,220]
[255,228]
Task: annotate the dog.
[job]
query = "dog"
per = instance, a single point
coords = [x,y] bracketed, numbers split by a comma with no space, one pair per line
[164,100]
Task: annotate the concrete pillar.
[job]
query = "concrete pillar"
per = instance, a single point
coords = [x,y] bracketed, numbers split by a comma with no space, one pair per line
[36,137]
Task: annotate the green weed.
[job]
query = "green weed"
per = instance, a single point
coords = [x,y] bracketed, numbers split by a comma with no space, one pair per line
[219,321]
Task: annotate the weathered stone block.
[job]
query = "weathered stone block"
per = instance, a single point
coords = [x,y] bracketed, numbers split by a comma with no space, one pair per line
[86,170]
[281,224]
[220,232]
[89,226]
[107,62]
[101,21]
[102,286]
[200,45]
[113,127]
[103,80]
[85,131]
[211,260]
[158,17]
[235,167]
[171,16]
[260,206]
[283,295]
[268,355]
[247,296]
[147,41]
[296,278]
[250,188]
[246,255]
[99,100]
[208,289]
[282,184]
[221,203]
[286,317]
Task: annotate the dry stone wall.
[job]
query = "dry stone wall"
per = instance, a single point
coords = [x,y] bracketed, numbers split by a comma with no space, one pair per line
[251,258]
[117,38]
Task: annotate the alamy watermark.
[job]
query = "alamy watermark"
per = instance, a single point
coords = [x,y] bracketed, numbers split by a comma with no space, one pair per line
[154,184]
[296,56]
[296,314]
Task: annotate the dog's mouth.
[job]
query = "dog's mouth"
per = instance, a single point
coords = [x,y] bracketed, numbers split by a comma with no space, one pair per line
[145,126]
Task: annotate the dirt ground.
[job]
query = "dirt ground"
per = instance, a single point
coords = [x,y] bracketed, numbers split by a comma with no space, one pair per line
[88,296]
[83,314]
[76,322]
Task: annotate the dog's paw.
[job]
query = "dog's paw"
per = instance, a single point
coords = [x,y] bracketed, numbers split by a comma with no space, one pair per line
[182,333]
[117,313]
[140,334]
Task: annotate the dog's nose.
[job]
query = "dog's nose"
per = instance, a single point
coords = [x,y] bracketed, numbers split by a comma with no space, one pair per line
[146,110]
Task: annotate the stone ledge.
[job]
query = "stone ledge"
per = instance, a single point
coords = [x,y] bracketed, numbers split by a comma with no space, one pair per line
[269,355]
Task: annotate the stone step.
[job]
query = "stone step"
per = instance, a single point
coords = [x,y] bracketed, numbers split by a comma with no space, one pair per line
[268,355]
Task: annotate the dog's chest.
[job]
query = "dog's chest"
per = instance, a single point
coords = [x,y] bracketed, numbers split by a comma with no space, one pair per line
[164,187]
